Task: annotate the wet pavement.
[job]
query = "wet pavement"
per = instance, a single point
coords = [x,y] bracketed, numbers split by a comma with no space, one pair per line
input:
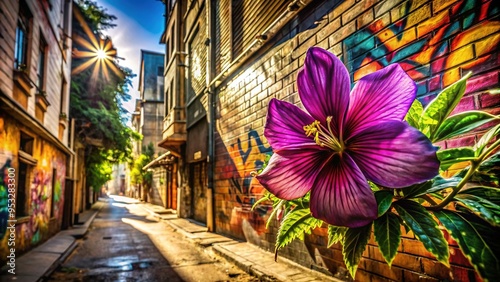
[125,244]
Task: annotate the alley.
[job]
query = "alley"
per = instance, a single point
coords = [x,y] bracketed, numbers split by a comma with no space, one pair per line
[125,244]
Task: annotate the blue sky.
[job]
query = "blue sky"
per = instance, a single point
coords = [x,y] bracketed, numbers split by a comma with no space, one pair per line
[139,26]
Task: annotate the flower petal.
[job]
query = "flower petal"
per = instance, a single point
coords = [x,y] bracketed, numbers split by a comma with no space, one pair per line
[285,125]
[324,86]
[384,95]
[341,195]
[394,154]
[290,174]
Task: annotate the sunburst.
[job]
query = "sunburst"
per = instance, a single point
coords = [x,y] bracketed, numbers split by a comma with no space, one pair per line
[94,51]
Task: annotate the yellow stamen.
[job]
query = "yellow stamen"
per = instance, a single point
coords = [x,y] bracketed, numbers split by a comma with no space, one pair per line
[324,137]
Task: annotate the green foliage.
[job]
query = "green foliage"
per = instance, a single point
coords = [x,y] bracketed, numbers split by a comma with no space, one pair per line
[335,234]
[490,193]
[439,108]
[295,224]
[414,114]
[96,107]
[473,243]
[425,228]
[462,123]
[384,200]
[387,233]
[449,157]
[137,174]
[482,207]
[355,241]
[432,186]
[98,17]
[486,139]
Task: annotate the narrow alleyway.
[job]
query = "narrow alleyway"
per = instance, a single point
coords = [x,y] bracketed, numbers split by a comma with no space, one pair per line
[124,244]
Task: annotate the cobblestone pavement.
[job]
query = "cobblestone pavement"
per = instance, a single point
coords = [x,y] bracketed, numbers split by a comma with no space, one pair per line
[125,244]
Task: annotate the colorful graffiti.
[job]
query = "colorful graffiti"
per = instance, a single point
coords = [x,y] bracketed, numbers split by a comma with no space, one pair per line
[247,156]
[7,146]
[33,228]
[6,163]
[42,188]
[432,51]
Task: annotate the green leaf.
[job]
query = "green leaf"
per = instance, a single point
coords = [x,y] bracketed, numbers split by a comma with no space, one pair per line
[473,243]
[489,171]
[452,156]
[335,234]
[437,184]
[439,108]
[481,207]
[425,228]
[295,224]
[417,189]
[490,193]
[414,114]
[384,200]
[486,139]
[354,245]
[462,123]
[388,235]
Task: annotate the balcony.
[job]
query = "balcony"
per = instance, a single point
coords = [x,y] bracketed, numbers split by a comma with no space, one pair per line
[174,130]
[22,87]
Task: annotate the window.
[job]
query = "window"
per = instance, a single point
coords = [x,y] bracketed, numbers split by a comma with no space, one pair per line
[160,71]
[22,36]
[26,163]
[172,93]
[62,108]
[167,107]
[42,57]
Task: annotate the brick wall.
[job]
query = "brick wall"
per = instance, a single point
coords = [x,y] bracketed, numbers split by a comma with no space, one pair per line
[436,42]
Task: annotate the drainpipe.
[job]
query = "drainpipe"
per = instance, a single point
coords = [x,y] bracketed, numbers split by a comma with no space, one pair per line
[211,115]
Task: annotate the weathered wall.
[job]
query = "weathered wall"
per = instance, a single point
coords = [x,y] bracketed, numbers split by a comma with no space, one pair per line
[49,24]
[50,21]
[38,225]
[436,42]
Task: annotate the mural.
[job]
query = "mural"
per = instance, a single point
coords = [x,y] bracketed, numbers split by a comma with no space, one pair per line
[247,156]
[434,48]
[7,146]
[36,228]
[41,190]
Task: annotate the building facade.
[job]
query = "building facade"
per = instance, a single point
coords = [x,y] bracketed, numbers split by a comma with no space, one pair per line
[150,119]
[226,62]
[35,68]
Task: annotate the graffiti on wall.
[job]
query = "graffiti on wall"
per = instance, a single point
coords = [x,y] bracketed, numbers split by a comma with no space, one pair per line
[46,195]
[42,191]
[434,48]
[7,147]
[248,156]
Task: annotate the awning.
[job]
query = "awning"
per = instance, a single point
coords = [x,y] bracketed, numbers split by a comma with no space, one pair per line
[158,161]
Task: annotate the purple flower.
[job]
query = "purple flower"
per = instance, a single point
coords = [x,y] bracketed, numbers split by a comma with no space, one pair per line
[344,140]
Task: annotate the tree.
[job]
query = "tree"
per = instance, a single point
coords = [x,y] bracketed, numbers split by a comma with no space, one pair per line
[99,87]
[137,175]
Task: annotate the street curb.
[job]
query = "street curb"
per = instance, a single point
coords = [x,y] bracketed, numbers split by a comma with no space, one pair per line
[72,247]
[259,271]
[59,261]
